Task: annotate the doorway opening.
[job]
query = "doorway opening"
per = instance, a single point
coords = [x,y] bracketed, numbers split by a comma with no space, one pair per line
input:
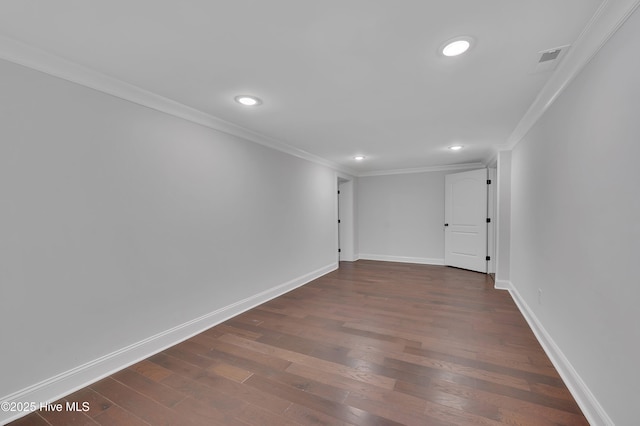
[346,220]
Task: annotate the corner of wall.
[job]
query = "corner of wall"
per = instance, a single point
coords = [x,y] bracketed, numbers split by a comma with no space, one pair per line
[72,380]
[502,285]
[588,403]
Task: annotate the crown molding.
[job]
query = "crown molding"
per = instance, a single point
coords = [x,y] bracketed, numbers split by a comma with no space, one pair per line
[605,22]
[39,60]
[423,169]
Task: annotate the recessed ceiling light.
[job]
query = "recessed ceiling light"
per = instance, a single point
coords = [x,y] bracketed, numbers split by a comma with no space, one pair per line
[359,157]
[455,147]
[247,100]
[456,46]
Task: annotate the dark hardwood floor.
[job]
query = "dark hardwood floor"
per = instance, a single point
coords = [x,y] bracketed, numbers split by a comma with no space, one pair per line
[373,343]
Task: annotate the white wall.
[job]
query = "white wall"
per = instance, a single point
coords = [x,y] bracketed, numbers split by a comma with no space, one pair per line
[401,217]
[575,225]
[503,218]
[118,222]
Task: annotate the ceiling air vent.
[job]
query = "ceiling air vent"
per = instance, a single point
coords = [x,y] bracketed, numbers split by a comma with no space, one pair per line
[547,60]
[549,56]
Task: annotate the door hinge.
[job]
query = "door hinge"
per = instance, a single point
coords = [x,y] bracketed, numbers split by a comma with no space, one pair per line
[338,192]
[339,250]
[488,258]
[338,220]
[488,220]
[488,181]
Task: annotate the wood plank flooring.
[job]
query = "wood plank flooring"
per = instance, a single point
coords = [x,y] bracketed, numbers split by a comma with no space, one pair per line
[372,343]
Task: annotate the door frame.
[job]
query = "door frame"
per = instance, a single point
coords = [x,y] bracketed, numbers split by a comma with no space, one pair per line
[492,207]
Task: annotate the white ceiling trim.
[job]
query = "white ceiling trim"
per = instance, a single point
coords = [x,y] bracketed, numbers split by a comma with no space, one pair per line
[28,56]
[605,22]
[462,166]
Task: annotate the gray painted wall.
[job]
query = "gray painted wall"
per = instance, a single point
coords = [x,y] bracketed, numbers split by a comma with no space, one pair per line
[575,223]
[118,222]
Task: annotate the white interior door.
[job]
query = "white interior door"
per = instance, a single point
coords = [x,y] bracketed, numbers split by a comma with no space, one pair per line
[465,214]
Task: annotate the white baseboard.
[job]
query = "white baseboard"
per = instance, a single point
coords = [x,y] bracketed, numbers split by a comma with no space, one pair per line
[63,384]
[502,285]
[403,259]
[591,408]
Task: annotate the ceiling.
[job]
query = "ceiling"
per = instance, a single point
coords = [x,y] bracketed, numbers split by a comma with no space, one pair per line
[337,78]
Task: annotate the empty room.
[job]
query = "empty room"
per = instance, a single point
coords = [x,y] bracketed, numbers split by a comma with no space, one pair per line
[290,212]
